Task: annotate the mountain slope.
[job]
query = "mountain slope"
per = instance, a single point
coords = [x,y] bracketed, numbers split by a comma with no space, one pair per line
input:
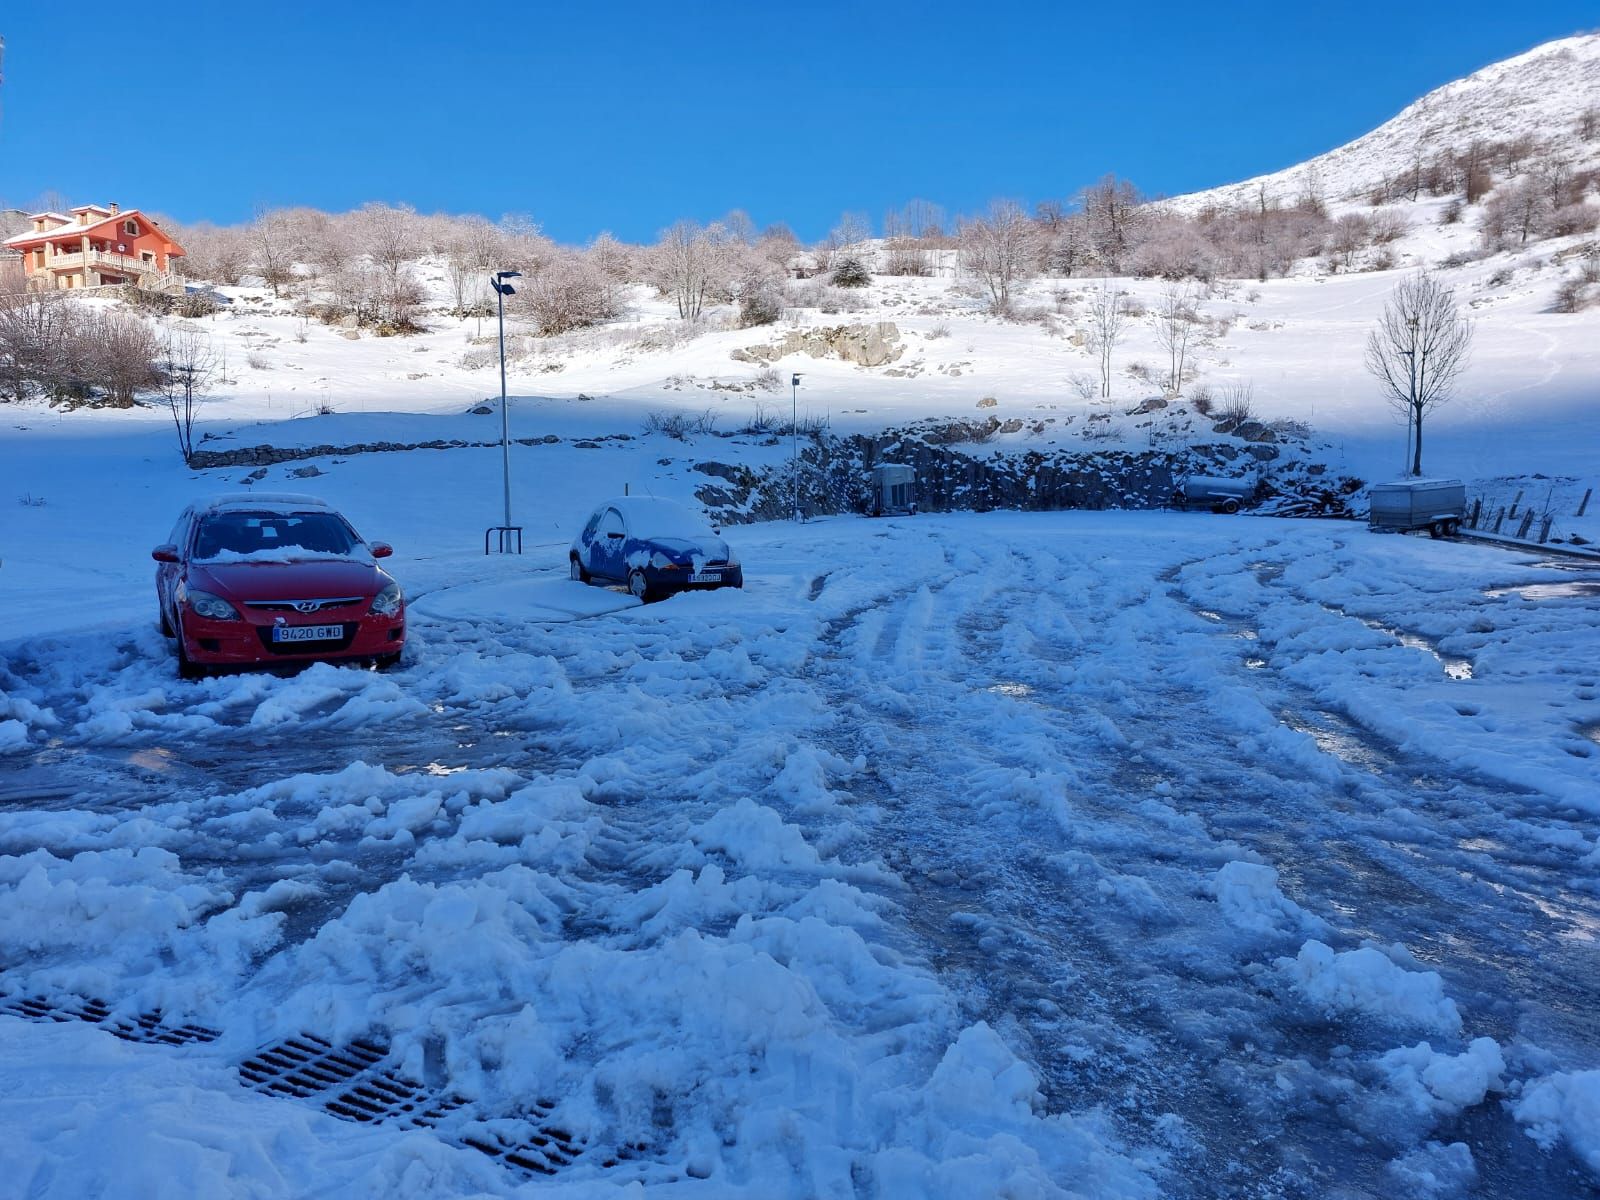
[1542,94]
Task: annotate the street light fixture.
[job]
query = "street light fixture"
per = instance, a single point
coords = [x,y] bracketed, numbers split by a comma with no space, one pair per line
[502,288]
[794,437]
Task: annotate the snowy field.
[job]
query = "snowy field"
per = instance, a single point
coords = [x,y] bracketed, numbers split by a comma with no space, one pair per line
[1101,855]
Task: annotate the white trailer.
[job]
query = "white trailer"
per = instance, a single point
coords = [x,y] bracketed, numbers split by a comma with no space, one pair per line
[1437,505]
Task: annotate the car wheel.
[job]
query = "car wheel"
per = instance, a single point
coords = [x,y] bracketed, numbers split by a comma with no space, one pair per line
[579,571]
[639,587]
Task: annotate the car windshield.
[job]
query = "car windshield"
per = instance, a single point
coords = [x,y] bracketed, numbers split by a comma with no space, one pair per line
[265,537]
[664,519]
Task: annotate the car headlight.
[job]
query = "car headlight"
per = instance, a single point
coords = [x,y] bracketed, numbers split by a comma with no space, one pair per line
[389,601]
[213,608]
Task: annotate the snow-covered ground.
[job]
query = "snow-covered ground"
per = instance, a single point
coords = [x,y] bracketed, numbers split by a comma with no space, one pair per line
[1072,854]
[1068,854]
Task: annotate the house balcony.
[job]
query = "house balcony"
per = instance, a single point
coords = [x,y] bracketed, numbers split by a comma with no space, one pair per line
[100,260]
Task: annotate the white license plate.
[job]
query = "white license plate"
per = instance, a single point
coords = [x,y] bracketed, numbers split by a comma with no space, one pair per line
[307,633]
[706,577]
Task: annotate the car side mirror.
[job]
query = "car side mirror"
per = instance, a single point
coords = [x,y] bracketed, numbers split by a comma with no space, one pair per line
[166,552]
[381,549]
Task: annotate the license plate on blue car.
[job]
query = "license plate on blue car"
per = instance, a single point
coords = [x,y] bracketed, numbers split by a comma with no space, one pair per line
[307,633]
[706,577]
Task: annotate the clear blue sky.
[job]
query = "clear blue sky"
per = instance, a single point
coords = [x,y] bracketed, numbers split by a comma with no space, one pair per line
[626,116]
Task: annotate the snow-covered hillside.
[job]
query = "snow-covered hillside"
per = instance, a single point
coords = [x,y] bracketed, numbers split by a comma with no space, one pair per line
[1543,94]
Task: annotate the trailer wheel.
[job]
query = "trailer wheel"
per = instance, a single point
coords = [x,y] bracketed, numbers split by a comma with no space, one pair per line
[1230,506]
[1436,530]
[1452,528]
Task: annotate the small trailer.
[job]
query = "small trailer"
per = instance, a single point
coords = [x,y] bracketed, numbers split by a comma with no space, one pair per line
[1437,505]
[1218,494]
[894,491]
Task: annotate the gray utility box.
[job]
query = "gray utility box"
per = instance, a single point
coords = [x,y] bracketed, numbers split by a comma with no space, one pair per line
[1217,494]
[894,490]
[1436,505]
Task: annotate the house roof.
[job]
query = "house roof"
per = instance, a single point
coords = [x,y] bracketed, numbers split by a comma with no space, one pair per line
[73,229]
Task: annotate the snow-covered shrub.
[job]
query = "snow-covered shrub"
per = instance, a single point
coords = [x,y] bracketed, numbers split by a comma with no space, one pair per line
[849,271]
[1570,220]
[569,293]
[1084,386]
[906,256]
[1238,403]
[680,425]
[814,294]
[760,304]
[1574,295]
[1202,399]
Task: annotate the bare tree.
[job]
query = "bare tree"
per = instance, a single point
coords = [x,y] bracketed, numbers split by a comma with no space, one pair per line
[471,253]
[566,293]
[388,235]
[1111,208]
[186,366]
[683,266]
[37,330]
[121,352]
[1107,320]
[997,249]
[1175,322]
[275,246]
[1418,351]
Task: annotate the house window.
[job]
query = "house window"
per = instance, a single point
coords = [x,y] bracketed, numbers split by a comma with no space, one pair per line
[131,228]
[149,256]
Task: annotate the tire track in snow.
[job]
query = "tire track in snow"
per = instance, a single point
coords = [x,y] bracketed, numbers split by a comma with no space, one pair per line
[1008,930]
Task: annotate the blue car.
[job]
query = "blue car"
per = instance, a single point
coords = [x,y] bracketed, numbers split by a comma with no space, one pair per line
[655,547]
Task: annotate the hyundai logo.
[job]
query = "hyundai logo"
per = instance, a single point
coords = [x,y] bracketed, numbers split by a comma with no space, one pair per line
[307,606]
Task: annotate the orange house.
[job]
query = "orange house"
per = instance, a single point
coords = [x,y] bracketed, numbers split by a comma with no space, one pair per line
[94,247]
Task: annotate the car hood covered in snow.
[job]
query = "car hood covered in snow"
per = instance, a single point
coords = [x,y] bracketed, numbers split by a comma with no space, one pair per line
[314,579]
[707,549]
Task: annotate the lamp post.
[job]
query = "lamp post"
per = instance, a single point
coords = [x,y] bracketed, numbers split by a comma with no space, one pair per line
[502,289]
[794,437]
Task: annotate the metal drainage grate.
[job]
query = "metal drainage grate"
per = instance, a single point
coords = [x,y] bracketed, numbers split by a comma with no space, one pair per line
[393,1099]
[307,1065]
[527,1144]
[147,1027]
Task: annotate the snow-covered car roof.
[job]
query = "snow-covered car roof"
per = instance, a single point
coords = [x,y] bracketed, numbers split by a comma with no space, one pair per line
[260,502]
[648,516]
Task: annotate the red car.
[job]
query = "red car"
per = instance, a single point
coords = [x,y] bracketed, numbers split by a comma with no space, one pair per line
[258,579]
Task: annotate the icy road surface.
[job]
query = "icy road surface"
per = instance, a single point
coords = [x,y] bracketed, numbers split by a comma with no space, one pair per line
[1101,855]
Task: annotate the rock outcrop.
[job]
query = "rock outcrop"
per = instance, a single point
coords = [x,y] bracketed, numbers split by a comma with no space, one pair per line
[866,345]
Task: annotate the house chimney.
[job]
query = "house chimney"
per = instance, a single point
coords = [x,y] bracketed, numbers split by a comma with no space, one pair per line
[115,208]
